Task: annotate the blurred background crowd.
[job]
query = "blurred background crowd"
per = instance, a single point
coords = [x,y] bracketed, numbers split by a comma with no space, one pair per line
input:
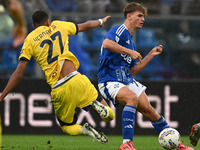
[172,23]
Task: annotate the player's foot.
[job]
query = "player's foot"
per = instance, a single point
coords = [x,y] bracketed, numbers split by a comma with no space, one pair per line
[88,129]
[184,147]
[127,146]
[100,108]
[195,134]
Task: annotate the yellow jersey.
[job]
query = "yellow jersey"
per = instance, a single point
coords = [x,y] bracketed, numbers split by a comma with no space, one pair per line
[49,47]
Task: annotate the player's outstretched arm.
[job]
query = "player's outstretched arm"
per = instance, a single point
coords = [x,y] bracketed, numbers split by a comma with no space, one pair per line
[20,30]
[14,79]
[91,24]
[117,48]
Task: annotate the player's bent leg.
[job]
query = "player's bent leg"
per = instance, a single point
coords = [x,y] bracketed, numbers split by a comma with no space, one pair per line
[145,108]
[195,134]
[86,129]
[72,129]
[158,122]
[89,130]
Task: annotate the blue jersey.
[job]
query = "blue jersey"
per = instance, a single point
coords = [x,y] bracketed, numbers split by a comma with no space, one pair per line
[116,66]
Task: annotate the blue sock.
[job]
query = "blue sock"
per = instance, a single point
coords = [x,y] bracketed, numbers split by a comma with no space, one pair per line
[128,119]
[160,124]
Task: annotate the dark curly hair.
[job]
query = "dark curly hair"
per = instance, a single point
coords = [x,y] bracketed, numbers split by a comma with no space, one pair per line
[39,17]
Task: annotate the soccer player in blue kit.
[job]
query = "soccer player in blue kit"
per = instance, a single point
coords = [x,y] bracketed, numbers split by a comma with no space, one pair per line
[115,75]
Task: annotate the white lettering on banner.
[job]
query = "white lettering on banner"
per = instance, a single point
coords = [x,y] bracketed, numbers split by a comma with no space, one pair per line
[8,98]
[147,124]
[32,110]
[169,99]
[39,110]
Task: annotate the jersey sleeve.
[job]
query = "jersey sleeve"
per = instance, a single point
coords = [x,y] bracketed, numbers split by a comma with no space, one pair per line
[111,35]
[26,51]
[70,27]
[115,36]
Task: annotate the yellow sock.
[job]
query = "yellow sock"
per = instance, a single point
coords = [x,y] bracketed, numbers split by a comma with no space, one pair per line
[72,129]
[111,115]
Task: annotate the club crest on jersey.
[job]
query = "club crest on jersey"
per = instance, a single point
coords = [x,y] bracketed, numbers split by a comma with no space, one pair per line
[117,39]
[128,42]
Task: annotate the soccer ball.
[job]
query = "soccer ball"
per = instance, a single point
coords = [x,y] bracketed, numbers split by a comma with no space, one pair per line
[169,138]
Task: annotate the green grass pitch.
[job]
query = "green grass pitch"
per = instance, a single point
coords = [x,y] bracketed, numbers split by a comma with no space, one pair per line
[66,142]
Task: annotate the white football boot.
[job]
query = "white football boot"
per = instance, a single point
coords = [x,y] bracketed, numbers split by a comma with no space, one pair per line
[89,130]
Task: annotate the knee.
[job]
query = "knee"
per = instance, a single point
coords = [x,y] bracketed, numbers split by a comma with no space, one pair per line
[72,129]
[132,100]
[111,115]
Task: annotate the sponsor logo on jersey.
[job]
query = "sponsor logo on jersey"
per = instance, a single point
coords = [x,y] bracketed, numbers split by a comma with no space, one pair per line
[128,42]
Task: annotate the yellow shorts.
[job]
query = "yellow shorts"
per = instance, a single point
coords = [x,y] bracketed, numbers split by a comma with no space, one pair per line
[76,92]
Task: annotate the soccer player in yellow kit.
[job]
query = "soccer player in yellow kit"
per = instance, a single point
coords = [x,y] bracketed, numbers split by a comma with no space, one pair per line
[48,45]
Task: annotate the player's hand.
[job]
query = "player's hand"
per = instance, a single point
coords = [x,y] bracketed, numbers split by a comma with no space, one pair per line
[104,20]
[135,55]
[19,33]
[156,50]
